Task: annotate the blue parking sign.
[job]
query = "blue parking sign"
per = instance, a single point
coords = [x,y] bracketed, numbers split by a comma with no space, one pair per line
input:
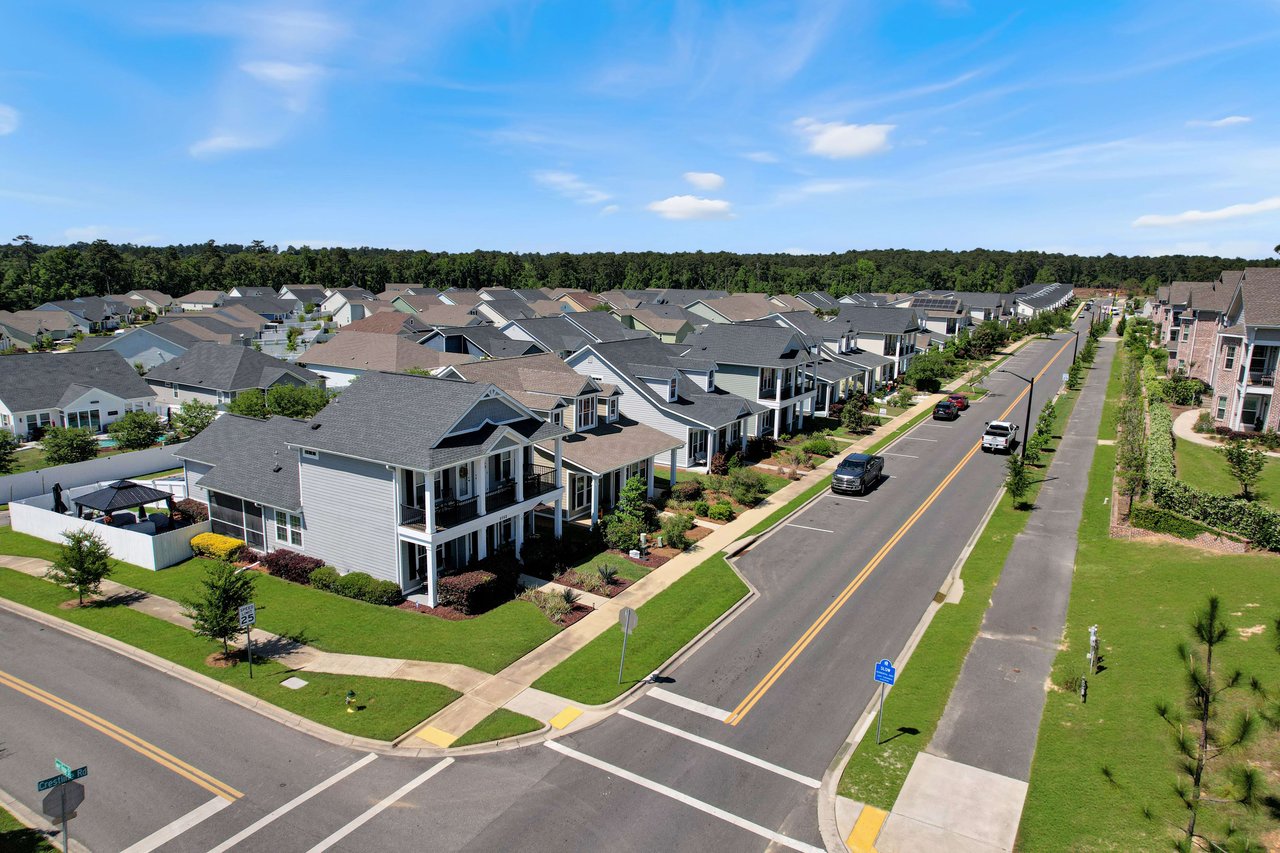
[885,672]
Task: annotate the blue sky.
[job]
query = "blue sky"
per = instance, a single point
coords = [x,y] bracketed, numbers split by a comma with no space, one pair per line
[1127,127]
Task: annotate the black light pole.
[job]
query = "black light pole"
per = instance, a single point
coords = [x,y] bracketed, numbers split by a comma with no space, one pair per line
[1030,396]
[1075,346]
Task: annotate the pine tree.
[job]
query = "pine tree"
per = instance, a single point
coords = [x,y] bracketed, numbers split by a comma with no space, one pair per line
[83,563]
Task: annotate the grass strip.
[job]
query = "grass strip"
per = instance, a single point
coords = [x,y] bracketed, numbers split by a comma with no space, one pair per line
[875,774]
[666,623]
[17,837]
[1111,406]
[333,623]
[498,725]
[386,707]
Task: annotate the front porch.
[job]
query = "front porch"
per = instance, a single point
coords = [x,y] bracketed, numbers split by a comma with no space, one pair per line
[422,564]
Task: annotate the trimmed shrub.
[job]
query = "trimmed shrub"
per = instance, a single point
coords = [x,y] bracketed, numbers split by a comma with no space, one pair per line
[675,530]
[1204,423]
[1268,440]
[355,585]
[819,446]
[687,490]
[217,546]
[1163,521]
[747,486]
[722,511]
[702,508]
[835,410]
[325,578]
[192,509]
[623,531]
[290,565]
[761,447]
[470,592]
[719,464]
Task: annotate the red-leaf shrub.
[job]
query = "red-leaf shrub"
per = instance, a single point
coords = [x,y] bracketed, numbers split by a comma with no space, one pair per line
[470,592]
[687,490]
[192,510]
[291,566]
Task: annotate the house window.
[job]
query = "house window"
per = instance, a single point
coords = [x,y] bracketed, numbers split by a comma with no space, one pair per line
[1186,332]
[311,454]
[502,466]
[581,491]
[586,413]
[613,411]
[1221,412]
[288,528]
[557,417]
[1230,361]
[671,390]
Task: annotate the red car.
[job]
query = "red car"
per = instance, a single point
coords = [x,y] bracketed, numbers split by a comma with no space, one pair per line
[961,401]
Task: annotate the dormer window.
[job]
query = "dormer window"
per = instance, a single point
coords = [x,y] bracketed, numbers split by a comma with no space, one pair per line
[586,413]
[711,380]
[557,417]
[612,412]
[671,390]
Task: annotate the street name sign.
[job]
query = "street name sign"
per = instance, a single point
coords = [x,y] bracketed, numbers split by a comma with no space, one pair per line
[885,672]
[61,778]
[248,615]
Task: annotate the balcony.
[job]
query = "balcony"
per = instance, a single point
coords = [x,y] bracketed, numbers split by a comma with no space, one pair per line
[500,495]
[539,481]
[1263,379]
[453,512]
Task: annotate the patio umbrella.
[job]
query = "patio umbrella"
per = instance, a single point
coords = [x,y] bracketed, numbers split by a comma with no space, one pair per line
[122,494]
[58,506]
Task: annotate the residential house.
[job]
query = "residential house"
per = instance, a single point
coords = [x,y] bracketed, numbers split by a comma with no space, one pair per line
[601,325]
[305,295]
[559,335]
[201,300]
[150,301]
[269,308]
[670,324]
[1247,353]
[577,300]
[603,449]
[93,312]
[26,328]
[458,296]
[1199,323]
[72,389]
[433,313]
[842,369]
[394,289]
[675,394]
[351,354]
[391,323]
[154,343]
[889,332]
[788,302]
[478,341]
[866,300]
[770,364]
[441,477]
[1035,298]
[218,373]
[241,291]
[1176,310]
[944,316]
[348,304]
[507,308]
[819,300]
[734,308]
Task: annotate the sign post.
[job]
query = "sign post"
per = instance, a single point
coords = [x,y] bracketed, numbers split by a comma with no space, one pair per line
[627,619]
[248,614]
[884,675]
[60,805]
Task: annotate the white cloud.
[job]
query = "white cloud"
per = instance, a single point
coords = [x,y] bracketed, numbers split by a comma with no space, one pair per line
[839,141]
[224,143]
[761,156]
[704,180]
[282,72]
[1221,122]
[571,186]
[1233,211]
[609,210]
[691,207]
[9,119]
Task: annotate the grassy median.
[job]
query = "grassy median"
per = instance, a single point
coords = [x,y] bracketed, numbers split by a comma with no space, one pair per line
[498,725]
[667,622]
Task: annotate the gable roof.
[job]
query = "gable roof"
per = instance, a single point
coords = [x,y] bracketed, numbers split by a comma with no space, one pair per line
[306,294]
[35,323]
[754,345]
[155,296]
[40,380]
[819,299]
[541,382]
[203,296]
[602,326]
[891,321]
[364,350]
[414,415]
[261,304]
[490,341]
[222,367]
[389,323]
[741,306]
[559,334]
[251,459]
[1260,288]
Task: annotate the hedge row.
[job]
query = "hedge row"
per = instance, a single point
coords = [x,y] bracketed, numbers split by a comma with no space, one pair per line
[1163,521]
[356,585]
[217,546]
[290,565]
[1160,444]
[471,592]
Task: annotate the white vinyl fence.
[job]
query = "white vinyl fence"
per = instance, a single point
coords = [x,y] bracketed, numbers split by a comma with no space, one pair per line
[104,469]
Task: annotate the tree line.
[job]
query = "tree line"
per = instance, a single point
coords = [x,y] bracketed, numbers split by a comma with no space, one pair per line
[31,274]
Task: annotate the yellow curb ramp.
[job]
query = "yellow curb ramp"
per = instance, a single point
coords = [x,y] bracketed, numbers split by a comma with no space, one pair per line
[866,829]
[435,736]
[565,717]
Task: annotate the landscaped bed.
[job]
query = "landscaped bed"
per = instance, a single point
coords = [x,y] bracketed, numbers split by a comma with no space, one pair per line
[1206,468]
[498,725]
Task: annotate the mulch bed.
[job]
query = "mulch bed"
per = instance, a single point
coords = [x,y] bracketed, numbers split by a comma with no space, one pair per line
[579,611]
[569,579]
[447,613]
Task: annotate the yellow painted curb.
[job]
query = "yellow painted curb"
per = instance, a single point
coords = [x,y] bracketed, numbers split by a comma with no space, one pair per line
[565,717]
[436,736]
[865,830]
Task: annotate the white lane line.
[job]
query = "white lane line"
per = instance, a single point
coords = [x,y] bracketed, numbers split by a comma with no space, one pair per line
[905,455]
[719,747]
[807,527]
[168,833]
[672,793]
[913,438]
[376,809]
[292,804]
[688,704]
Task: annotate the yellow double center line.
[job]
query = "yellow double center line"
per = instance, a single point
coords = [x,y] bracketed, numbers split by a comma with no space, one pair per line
[111,730]
[794,652]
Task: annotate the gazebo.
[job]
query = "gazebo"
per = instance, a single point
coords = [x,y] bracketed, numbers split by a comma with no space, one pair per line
[123,495]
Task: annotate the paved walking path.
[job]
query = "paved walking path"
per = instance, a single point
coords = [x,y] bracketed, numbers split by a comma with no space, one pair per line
[966,790]
[1184,430]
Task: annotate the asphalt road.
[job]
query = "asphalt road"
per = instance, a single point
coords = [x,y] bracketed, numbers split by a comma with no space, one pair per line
[668,773]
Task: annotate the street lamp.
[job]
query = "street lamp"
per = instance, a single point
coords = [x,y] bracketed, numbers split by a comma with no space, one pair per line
[1075,346]
[1030,396]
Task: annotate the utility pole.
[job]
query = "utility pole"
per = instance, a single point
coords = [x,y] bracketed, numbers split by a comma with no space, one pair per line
[1030,399]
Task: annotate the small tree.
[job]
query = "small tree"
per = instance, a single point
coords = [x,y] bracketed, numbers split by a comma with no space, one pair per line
[633,501]
[193,418]
[136,430]
[291,338]
[215,611]
[1245,464]
[8,451]
[853,416]
[1199,738]
[64,445]
[251,403]
[1016,480]
[83,563]
[296,401]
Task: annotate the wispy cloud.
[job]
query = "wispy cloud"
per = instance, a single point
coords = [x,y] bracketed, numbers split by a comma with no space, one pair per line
[692,207]
[704,180]
[571,186]
[1228,121]
[841,141]
[761,156]
[609,210]
[9,119]
[225,143]
[1234,211]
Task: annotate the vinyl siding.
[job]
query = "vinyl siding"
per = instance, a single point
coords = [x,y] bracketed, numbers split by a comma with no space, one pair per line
[635,406]
[739,379]
[192,472]
[350,513]
[492,410]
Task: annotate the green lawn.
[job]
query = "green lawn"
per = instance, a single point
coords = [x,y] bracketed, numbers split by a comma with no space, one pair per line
[388,707]
[336,624]
[498,725]
[17,837]
[1205,467]
[666,622]
[32,459]
[624,567]
[875,773]
[1111,406]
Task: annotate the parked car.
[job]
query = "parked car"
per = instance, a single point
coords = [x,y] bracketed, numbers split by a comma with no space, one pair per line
[1000,437]
[961,401]
[857,473]
[946,411]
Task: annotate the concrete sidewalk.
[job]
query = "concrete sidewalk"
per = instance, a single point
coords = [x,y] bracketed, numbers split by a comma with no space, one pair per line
[966,791]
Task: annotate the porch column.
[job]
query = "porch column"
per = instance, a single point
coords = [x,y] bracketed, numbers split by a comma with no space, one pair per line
[559,481]
[519,526]
[595,500]
[517,469]
[429,511]
[742,434]
[897,355]
[799,416]
[433,572]
[482,483]
[779,376]
[672,481]
[712,435]
[777,422]
[558,516]
[649,478]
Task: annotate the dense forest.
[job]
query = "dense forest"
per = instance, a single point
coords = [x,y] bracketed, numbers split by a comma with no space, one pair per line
[31,274]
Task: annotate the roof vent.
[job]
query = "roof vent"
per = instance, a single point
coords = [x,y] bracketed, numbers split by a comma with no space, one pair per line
[276,469]
[315,426]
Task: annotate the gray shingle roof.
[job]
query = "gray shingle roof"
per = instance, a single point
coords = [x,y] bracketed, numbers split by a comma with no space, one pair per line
[892,321]
[307,295]
[265,305]
[372,351]
[1040,296]
[251,459]
[40,380]
[602,326]
[612,445]
[227,367]
[755,345]
[491,341]
[1261,290]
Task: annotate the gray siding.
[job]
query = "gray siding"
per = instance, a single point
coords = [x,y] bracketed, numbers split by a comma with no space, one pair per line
[636,406]
[494,410]
[192,472]
[739,379]
[350,512]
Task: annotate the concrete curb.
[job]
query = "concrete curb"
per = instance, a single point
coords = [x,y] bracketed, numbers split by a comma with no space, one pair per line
[38,822]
